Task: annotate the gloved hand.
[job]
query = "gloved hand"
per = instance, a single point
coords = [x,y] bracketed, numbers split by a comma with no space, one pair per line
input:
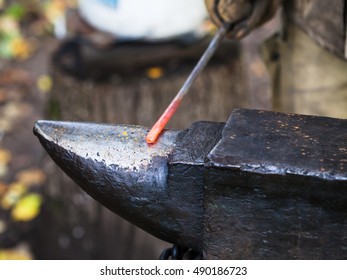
[241,16]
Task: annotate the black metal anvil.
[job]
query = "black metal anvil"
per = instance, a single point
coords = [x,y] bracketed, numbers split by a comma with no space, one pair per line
[264,185]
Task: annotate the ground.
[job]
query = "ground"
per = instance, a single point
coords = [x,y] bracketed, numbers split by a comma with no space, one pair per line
[24,87]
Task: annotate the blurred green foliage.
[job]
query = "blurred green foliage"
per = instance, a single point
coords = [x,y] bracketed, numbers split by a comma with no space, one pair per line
[23,22]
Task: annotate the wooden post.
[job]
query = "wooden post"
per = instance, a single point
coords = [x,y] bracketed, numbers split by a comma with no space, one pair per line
[306,78]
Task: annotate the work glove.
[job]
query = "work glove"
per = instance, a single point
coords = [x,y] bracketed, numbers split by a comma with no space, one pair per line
[241,16]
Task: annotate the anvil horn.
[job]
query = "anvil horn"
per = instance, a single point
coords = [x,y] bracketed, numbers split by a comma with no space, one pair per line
[115,165]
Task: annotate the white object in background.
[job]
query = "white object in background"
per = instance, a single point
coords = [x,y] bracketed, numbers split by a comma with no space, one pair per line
[60,30]
[145,19]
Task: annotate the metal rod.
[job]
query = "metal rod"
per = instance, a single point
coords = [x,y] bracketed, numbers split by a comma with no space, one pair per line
[171,109]
[211,49]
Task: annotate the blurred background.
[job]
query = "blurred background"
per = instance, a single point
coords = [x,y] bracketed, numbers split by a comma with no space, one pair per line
[102,61]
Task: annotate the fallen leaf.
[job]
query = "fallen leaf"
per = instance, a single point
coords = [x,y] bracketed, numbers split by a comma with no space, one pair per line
[3,226]
[14,110]
[21,49]
[13,255]
[13,194]
[31,177]
[5,156]
[21,252]
[5,125]
[27,208]
[154,72]
[3,188]
[16,11]
[44,83]
[3,170]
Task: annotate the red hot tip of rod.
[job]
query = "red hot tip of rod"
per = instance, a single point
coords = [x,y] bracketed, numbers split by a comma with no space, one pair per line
[163,120]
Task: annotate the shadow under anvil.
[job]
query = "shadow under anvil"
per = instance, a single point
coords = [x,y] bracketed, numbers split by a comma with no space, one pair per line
[148,185]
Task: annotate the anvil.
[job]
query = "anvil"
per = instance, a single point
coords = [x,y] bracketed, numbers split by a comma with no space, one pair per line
[263,185]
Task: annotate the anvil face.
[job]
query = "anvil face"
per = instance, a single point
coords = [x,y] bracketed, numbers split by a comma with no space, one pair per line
[116,166]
